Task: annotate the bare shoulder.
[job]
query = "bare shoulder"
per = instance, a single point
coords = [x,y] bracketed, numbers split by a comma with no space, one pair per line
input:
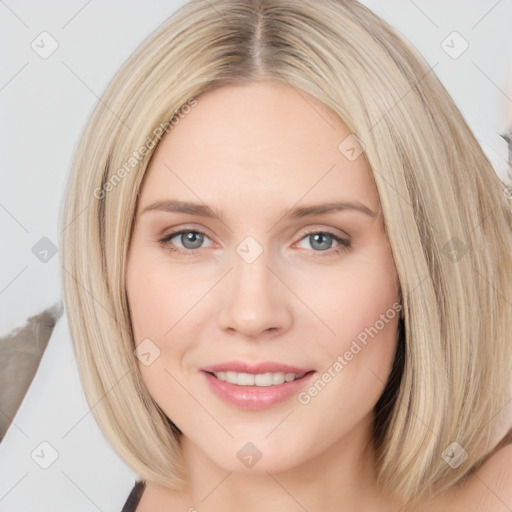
[496,474]
[489,489]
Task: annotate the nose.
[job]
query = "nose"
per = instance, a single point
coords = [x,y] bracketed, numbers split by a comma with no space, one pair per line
[255,301]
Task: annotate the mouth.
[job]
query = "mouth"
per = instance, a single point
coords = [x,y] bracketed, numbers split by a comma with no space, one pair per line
[259,379]
[256,386]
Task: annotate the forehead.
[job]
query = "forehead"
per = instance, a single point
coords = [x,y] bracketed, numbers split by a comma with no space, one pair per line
[263,141]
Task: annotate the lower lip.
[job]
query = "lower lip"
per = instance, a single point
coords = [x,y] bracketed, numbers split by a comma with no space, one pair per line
[255,397]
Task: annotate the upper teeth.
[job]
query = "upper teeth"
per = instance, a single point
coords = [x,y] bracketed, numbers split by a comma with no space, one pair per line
[260,379]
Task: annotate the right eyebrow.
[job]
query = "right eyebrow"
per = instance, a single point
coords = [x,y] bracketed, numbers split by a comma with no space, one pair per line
[201,210]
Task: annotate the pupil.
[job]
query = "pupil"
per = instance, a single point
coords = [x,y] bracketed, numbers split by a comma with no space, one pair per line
[319,236]
[194,238]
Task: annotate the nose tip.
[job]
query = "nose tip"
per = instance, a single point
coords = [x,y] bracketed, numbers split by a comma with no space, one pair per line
[254,301]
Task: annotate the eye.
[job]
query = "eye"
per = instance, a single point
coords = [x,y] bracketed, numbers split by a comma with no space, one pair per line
[190,239]
[322,241]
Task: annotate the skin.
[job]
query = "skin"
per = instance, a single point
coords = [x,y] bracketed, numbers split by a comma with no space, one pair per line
[254,152]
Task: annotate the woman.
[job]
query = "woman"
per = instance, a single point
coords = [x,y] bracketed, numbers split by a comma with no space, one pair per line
[288,271]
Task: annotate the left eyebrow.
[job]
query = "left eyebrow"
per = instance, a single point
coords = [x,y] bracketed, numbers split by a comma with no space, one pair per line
[319,209]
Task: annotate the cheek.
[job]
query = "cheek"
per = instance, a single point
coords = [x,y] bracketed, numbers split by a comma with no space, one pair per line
[357,359]
[158,302]
[165,308]
[160,298]
[360,305]
[370,310]
[354,299]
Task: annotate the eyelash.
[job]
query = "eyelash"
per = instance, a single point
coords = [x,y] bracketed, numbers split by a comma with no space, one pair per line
[344,244]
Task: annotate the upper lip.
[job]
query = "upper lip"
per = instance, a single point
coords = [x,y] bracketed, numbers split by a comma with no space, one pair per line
[255,368]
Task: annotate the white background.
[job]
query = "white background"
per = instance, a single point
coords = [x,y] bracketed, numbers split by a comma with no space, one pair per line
[45,102]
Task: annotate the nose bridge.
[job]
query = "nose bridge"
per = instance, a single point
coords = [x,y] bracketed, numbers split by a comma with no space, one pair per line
[255,300]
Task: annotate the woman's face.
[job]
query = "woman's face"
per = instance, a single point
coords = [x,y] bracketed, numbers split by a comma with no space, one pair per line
[268,280]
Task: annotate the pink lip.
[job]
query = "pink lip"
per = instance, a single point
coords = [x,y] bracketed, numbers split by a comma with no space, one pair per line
[255,397]
[254,368]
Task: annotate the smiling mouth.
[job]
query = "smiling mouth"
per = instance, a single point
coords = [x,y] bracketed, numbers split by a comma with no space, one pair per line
[256,391]
[260,379]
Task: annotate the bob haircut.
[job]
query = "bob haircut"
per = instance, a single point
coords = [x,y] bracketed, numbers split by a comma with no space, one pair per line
[445,209]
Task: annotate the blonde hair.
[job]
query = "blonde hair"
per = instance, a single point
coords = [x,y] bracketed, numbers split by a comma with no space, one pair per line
[447,218]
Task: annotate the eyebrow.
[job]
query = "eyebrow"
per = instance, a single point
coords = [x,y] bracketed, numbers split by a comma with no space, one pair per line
[319,209]
[203,210]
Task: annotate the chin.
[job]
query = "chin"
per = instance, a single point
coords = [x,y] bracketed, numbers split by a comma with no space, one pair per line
[259,455]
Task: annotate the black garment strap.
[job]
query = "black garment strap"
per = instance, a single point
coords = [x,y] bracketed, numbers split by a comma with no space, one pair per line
[134,497]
